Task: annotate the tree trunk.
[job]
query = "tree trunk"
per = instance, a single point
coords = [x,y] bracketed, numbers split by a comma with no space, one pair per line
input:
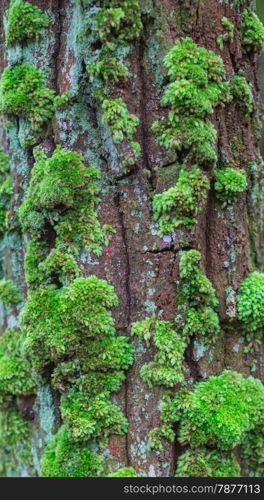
[142,266]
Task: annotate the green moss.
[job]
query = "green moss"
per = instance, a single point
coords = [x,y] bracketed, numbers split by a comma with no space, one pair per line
[207,463]
[229,184]
[228,35]
[65,458]
[180,204]
[14,442]
[23,94]
[25,22]
[15,371]
[124,472]
[109,69]
[107,354]
[6,191]
[117,117]
[92,417]
[63,193]
[46,268]
[15,376]
[9,293]
[252,31]
[242,94]
[61,102]
[166,369]
[120,22]
[196,87]
[197,299]
[253,453]
[54,332]
[250,302]
[217,413]
[159,437]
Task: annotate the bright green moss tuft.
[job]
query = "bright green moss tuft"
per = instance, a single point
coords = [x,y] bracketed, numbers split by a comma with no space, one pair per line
[253,453]
[217,413]
[229,184]
[207,463]
[182,203]
[15,370]
[92,383]
[228,35]
[109,69]
[242,94]
[166,369]
[124,472]
[6,191]
[14,442]
[95,417]
[61,102]
[117,24]
[250,302]
[23,94]
[159,437]
[120,22]
[117,117]
[64,194]
[25,22]
[252,31]
[54,332]
[65,458]
[197,87]
[197,299]
[9,293]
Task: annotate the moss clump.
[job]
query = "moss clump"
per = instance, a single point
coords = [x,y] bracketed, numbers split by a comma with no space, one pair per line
[229,184]
[6,191]
[124,472]
[253,453]
[250,302]
[217,413]
[120,22]
[9,293]
[44,267]
[180,204]
[92,383]
[166,369]
[92,417]
[117,117]
[109,69]
[63,193]
[242,94]
[15,370]
[159,437]
[25,22]
[54,332]
[23,94]
[252,31]
[197,299]
[14,442]
[207,463]
[61,102]
[65,458]
[197,87]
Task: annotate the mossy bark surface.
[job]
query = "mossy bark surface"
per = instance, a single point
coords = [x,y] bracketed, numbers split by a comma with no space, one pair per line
[142,267]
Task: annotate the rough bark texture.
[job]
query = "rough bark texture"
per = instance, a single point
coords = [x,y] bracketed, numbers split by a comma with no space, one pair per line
[141,266]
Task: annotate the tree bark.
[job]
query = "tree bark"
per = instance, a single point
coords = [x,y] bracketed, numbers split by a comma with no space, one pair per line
[142,267]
